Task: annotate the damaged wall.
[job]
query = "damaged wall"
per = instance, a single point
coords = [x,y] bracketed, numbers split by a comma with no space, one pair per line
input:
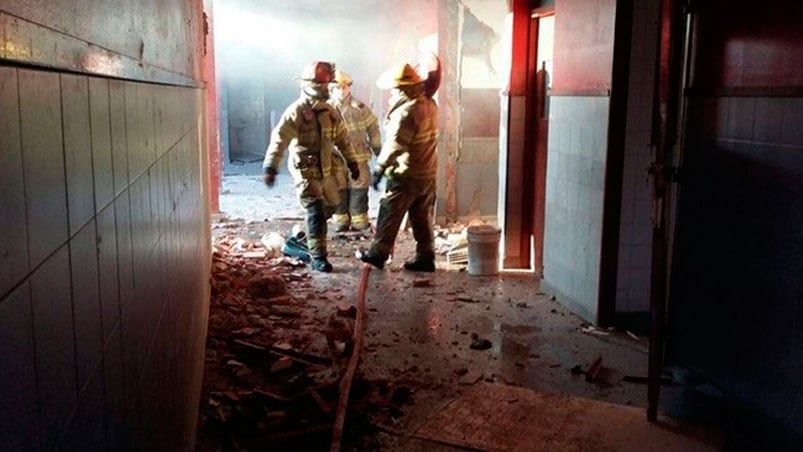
[104,239]
[481,71]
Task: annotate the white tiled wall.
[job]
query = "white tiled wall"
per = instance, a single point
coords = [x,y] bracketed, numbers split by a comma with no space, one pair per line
[574,193]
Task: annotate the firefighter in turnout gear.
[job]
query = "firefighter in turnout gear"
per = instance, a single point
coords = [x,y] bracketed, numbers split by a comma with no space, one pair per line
[311,128]
[409,161]
[363,127]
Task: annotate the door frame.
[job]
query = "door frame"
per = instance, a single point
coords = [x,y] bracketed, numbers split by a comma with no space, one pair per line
[536,144]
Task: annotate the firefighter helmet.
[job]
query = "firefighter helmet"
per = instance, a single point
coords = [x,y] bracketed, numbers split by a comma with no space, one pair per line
[398,75]
[342,78]
[318,72]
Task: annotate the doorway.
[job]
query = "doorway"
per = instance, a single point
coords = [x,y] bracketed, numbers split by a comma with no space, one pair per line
[540,70]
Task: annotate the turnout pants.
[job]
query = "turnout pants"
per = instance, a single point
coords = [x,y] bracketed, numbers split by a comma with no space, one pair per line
[416,197]
[352,211]
[319,197]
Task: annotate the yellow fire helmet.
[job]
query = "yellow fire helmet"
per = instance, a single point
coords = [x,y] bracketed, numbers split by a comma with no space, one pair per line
[401,74]
[342,78]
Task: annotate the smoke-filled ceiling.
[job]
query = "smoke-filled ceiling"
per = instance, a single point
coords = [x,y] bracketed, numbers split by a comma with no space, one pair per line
[261,45]
[271,40]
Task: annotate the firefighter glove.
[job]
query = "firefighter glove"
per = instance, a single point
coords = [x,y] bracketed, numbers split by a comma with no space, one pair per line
[379,172]
[269,177]
[354,169]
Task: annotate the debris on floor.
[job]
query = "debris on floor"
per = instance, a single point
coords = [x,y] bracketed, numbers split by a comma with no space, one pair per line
[452,242]
[280,337]
[277,346]
[270,377]
[478,343]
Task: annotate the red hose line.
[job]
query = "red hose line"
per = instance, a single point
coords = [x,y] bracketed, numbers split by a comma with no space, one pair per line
[345,383]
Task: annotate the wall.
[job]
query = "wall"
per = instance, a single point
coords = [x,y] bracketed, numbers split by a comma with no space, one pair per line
[578,152]
[104,239]
[736,306]
[574,194]
[635,235]
[481,25]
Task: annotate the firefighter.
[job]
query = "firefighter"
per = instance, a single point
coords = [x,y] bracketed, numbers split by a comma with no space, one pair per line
[409,161]
[363,127]
[311,128]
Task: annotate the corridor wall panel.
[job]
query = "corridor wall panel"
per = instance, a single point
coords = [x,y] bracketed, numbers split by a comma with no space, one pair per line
[104,225]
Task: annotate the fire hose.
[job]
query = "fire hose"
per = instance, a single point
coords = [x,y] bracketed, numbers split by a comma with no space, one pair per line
[345,382]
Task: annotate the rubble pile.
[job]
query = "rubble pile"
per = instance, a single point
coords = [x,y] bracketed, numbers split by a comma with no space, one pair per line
[271,367]
[277,348]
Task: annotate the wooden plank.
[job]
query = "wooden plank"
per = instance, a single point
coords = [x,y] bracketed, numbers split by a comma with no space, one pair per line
[77,150]
[43,163]
[118,136]
[13,231]
[101,142]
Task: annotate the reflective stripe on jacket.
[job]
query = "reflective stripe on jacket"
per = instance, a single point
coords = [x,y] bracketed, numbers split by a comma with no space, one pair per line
[310,129]
[362,125]
[411,139]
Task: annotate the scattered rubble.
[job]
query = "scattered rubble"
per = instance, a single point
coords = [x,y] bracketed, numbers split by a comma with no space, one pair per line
[277,347]
[478,343]
[270,377]
[470,377]
[453,243]
[278,343]
[633,336]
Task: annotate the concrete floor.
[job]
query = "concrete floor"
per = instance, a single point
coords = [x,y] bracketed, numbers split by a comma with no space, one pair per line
[420,326]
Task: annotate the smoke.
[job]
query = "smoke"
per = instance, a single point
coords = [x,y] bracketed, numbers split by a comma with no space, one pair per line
[269,41]
[261,45]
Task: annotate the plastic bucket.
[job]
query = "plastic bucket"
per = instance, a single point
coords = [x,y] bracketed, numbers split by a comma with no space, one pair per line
[483,249]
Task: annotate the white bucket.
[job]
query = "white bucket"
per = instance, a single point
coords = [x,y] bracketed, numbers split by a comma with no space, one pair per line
[483,249]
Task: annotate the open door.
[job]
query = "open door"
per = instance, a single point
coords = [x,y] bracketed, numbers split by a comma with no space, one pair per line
[665,121]
[735,315]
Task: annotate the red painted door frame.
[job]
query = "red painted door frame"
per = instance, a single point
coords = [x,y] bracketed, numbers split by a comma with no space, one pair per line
[518,199]
[526,80]
[537,139]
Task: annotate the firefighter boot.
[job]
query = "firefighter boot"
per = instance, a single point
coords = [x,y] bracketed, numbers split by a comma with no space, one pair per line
[321,264]
[424,259]
[371,258]
[420,265]
[341,215]
[316,236]
[358,205]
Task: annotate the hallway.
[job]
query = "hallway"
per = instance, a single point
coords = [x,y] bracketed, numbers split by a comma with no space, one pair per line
[643,160]
[417,342]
